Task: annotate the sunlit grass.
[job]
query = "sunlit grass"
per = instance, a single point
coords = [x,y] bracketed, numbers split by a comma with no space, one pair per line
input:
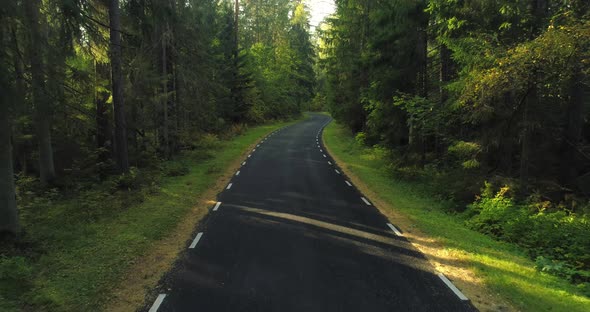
[504,269]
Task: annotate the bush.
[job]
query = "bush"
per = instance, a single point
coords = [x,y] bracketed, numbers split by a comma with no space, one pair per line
[360,138]
[176,169]
[558,240]
[132,180]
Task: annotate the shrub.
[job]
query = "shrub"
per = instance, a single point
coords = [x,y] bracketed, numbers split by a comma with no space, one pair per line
[176,169]
[360,138]
[558,240]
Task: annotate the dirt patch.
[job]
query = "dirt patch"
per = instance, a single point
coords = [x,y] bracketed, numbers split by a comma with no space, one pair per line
[445,261]
[144,275]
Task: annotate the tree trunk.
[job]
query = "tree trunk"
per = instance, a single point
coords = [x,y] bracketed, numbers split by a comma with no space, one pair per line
[165,130]
[103,127]
[573,130]
[530,102]
[507,145]
[40,96]
[422,86]
[236,30]
[8,211]
[445,72]
[119,108]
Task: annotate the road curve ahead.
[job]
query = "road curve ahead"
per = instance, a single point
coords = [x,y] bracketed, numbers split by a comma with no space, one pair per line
[292,234]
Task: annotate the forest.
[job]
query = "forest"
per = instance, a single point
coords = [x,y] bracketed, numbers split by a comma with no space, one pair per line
[100,97]
[486,103]
[95,89]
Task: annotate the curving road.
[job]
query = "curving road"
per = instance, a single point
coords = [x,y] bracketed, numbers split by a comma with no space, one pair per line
[292,234]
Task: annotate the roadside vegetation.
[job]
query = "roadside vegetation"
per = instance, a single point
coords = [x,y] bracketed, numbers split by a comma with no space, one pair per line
[484,105]
[503,267]
[115,115]
[77,246]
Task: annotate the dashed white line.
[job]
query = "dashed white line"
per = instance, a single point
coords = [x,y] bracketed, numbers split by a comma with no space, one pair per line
[157,303]
[348,183]
[244,163]
[238,173]
[321,150]
[325,156]
[254,150]
[196,240]
[394,229]
[258,145]
[338,172]
[329,162]
[452,287]
[229,186]
[249,155]
[216,206]
[366,201]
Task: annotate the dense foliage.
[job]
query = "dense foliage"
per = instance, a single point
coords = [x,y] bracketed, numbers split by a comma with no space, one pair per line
[92,88]
[102,101]
[463,92]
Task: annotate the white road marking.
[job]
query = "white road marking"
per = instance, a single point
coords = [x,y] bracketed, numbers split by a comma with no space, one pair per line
[338,172]
[157,303]
[452,287]
[249,155]
[216,206]
[366,201]
[258,145]
[254,150]
[329,162]
[394,229]
[325,156]
[238,173]
[196,240]
[244,163]
[321,150]
[229,186]
[348,183]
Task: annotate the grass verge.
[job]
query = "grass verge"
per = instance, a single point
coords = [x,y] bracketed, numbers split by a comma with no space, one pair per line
[496,276]
[82,263]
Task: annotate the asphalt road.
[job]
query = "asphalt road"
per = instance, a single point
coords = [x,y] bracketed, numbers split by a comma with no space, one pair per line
[291,234]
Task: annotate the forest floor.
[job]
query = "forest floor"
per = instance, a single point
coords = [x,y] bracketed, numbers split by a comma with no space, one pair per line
[81,261]
[496,276]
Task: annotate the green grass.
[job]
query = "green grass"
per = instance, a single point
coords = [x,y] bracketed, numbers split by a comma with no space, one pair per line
[77,257]
[504,268]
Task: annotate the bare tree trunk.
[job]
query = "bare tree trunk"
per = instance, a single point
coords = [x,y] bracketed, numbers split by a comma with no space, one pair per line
[445,72]
[531,101]
[444,78]
[573,130]
[120,125]
[422,85]
[165,130]
[40,96]
[103,128]
[8,211]
[19,107]
[236,30]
